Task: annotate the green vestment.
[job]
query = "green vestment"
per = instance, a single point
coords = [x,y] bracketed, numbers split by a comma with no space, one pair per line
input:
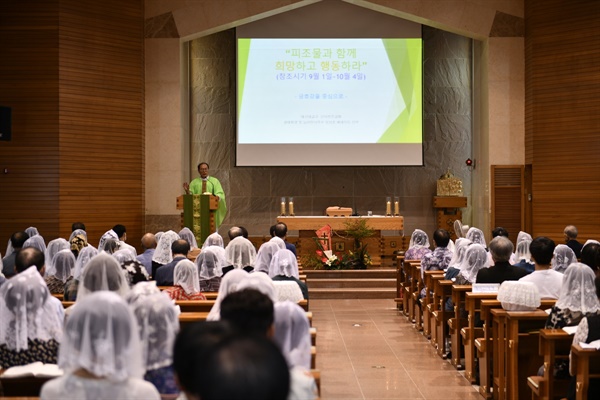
[213,186]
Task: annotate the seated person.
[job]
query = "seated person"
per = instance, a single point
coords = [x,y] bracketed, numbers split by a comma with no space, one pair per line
[158,324]
[162,254]
[209,266]
[187,235]
[179,250]
[83,258]
[186,282]
[501,249]
[563,257]
[457,257]
[135,272]
[577,298]
[31,328]
[547,280]
[229,284]
[523,256]
[60,273]
[284,267]
[418,246]
[100,353]
[265,255]
[240,254]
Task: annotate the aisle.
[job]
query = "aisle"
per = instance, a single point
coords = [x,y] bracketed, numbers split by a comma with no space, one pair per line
[382,358]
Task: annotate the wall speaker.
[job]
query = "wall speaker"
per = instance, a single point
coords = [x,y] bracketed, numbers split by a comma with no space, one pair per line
[5,123]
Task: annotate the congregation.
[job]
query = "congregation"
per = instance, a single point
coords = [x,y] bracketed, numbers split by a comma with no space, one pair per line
[116,334]
[120,337]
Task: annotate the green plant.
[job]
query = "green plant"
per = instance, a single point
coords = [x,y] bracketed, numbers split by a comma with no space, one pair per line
[358,230]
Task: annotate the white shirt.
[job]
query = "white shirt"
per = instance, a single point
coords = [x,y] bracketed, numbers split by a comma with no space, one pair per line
[74,387]
[548,282]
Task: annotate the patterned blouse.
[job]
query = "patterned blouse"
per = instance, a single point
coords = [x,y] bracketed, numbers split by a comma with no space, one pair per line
[210,285]
[55,285]
[163,379]
[416,253]
[177,293]
[37,350]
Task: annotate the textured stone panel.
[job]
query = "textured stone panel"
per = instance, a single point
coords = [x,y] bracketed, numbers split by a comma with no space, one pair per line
[161,26]
[212,128]
[211,72]
[219,45]
[335,181]
[506,25]
[292,182]
[445,45]
[374,181]
[250,182]
[214,153]
[453,100]
[452,72]
[158,223]
[213,100]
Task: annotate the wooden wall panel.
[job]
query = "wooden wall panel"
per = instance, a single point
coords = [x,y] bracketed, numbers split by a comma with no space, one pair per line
[102,116]
[508,198]
[562,108]
[73,73]
[29,85]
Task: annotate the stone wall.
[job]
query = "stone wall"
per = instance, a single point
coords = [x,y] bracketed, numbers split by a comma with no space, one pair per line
[253,194]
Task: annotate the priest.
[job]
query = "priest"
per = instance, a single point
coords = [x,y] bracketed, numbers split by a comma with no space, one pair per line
[209,185]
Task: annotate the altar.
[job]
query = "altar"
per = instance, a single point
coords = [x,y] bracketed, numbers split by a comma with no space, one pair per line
[381,248]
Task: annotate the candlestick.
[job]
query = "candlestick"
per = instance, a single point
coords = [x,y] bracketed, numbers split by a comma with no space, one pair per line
[291,206]
[282,211]
[396,206]
[388,206]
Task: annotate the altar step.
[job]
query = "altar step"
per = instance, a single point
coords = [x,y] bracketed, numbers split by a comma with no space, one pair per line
[351,284]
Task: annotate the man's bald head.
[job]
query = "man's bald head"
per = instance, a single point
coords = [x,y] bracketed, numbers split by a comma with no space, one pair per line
[149,241]
[27,257]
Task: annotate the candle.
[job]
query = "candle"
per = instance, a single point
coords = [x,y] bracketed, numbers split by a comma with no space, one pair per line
[396,206]
[388,206]
[291,206]
[282,211]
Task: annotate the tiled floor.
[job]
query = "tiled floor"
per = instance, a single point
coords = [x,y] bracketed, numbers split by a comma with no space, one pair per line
[365,350]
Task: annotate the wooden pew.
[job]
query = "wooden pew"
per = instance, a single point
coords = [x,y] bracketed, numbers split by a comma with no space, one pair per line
[186,318]
[555,344]
[442,292]
[409,288]
[426,301]
[485,347]
[417,311]
[585,364]
[59,296]
[26,387]
[399,260]
[317,376]
[195,306]
[433,307]
[522,351]
[472,332]
[457,322]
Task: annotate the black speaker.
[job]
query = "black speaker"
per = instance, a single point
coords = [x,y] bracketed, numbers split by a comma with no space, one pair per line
[5,123]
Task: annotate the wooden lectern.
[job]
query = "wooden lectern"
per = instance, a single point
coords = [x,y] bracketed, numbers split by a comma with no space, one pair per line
[448,211]
[198,214]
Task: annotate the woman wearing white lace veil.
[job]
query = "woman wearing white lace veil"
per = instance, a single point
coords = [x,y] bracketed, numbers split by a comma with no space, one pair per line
[563,257]
[279,241]
[83,258]
[209,270]
[36,241]
[100,353]
[474,260]
[123,255]
[418,246]
[292,336]
[141,290]
[214,239]
[102,272]
[78,232]
[522,256]
[54,246]
[457,257]
[60,273]
[577,298]
[260,282]
[215,242]
[186,285]
[284,269]
[229,284]
[240,253]
[163,255]
[30,328]
[265,254]
[158,323]
[109,234]
[476,235]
